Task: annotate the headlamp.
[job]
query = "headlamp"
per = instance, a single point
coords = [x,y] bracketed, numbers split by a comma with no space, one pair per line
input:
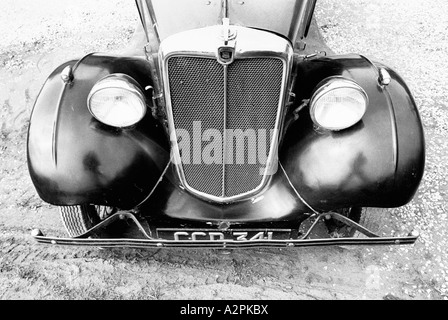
[338,103]
[117,100]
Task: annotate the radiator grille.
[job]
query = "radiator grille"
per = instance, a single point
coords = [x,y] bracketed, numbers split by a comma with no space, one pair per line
[208,98]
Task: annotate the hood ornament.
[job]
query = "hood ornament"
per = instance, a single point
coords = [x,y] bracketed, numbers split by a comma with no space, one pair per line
[226,52]
[227,32]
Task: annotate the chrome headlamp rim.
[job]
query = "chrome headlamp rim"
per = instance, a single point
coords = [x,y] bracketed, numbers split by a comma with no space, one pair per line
[131,85]
[330,84]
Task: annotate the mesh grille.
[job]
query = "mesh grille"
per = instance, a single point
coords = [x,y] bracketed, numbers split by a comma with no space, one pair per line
[253,91]
[196,87]
[197,96]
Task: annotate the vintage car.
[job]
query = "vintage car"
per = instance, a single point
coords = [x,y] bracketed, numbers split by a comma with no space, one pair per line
[228,124]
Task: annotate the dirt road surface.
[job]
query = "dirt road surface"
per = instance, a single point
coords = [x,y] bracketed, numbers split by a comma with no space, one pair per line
[37,36]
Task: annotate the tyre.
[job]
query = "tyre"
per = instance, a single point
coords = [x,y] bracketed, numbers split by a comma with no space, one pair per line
[78,219]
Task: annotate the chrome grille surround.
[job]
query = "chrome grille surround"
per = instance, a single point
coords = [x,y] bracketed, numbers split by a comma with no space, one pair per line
[179,55]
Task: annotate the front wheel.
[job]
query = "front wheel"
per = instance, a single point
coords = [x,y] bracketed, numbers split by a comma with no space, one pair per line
[78,219]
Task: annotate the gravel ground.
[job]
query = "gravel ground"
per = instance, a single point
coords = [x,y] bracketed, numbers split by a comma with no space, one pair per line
[411,37]
[37,36]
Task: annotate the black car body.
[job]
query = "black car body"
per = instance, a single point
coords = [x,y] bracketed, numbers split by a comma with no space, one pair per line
[228,126]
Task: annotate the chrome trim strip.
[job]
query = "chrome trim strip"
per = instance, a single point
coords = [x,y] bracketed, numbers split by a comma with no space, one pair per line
[224,136]
[250,44]
[54,138]
[394,128]
[57,112]
[391,109]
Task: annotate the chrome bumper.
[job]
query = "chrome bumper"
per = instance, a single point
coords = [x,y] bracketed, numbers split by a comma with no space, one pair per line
[147,241]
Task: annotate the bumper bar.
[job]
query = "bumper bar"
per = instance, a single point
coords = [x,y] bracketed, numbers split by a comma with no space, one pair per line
[228,244]
[149,242]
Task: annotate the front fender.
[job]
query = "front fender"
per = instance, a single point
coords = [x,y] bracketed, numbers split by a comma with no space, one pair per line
[74,159]
[378,162]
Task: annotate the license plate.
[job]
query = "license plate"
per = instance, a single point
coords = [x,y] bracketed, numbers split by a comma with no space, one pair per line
[220,235]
